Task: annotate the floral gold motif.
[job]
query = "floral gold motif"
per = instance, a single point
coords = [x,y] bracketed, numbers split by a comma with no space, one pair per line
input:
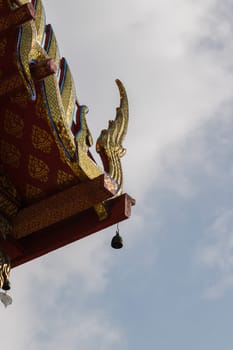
[13,124]
[41,140]
[38,169]
[10,84]
[7,187]
[33,192]
[10,155]
[64,178]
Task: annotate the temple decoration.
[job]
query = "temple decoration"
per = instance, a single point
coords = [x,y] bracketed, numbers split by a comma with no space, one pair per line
[52,191]
[109,143]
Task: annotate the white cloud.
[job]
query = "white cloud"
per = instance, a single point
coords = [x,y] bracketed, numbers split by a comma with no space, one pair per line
[216,254]
[176,81]
[82,331]
[51,300]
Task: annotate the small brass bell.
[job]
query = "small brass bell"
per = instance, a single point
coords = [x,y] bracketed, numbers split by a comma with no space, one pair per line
[117,241]
[6,285]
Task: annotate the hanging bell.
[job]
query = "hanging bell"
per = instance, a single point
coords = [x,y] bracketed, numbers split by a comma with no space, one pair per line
[6,285]
[117,241]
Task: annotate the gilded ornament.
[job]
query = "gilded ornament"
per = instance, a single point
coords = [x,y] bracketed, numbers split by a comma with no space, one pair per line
[101,211]
[10,155]
[38,169]
[13,124]
[41,139]
[27,36]
[109,143]
[52,47]
[55,107]
[40,21]
[68,93]
[5,268]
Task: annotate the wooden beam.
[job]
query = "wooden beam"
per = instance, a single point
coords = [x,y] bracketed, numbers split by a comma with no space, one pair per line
[61,206]
[72,229]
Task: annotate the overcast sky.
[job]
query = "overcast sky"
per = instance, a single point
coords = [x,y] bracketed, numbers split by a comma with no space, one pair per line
[171,287]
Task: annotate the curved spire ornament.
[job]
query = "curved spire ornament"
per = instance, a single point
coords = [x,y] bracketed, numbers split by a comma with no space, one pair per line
[109,144]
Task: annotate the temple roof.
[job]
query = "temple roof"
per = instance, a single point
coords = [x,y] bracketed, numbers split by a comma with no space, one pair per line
[52,191]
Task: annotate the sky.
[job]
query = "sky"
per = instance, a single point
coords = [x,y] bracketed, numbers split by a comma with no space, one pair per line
[171,287]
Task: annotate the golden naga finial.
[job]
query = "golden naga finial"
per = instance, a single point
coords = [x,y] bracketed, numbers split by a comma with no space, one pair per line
[109,144]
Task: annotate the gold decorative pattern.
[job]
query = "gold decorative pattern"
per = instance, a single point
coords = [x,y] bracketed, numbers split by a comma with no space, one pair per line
[84,138]
[9,198]
[13,124]
[10,84]
[3,43]
[62,155]
[64,178]
[41,140]
[8,208]
[57,110]
[84,141]
[33,192]
[40,21]
[53,51]
[10,155]
[7,186]
[109,143]
[101,211]
[5,226]
[38,169]
[68,95]
[27,38]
